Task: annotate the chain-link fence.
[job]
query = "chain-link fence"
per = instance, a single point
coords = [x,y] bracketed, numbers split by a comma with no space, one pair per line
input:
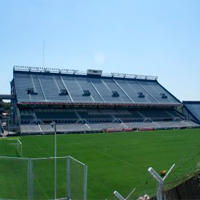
[34,178]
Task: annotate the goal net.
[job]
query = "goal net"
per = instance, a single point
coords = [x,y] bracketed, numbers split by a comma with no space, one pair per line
[10,147]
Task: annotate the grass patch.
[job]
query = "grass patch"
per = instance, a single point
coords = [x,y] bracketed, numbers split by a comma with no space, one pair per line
[119,161]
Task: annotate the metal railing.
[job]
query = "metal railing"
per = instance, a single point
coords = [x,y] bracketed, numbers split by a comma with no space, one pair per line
[77,72]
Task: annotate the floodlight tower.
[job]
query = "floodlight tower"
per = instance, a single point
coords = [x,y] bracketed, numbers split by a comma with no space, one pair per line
[160,180]
[53,124]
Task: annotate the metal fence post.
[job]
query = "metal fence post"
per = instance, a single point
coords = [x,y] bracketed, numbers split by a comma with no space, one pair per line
[160,194]
[30,179]
[68,178]
[85,182]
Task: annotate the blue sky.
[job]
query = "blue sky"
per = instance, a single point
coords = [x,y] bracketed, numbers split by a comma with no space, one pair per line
[151,37]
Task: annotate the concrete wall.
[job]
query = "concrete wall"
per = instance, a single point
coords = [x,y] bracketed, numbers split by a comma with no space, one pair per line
[189,190]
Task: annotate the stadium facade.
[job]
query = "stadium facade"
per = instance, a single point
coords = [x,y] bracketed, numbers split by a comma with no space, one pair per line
[91,101]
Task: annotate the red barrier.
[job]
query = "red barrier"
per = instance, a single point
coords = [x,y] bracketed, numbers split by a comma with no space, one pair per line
[128,129]
[110,130]
[146,129]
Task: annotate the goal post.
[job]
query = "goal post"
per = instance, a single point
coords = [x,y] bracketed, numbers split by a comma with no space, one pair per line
[19,147]
[10,147]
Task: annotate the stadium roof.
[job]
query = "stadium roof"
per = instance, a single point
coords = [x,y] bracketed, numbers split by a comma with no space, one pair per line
[77,72]
[47,85]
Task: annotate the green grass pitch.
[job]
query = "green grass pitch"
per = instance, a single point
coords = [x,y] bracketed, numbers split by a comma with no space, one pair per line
[118,161]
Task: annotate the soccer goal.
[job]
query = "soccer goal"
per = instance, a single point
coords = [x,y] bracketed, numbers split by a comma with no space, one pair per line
[10,147]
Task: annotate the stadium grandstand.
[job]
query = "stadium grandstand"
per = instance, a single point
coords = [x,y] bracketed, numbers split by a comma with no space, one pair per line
[191,110]
[1,111]
[90,101]
[5,113]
